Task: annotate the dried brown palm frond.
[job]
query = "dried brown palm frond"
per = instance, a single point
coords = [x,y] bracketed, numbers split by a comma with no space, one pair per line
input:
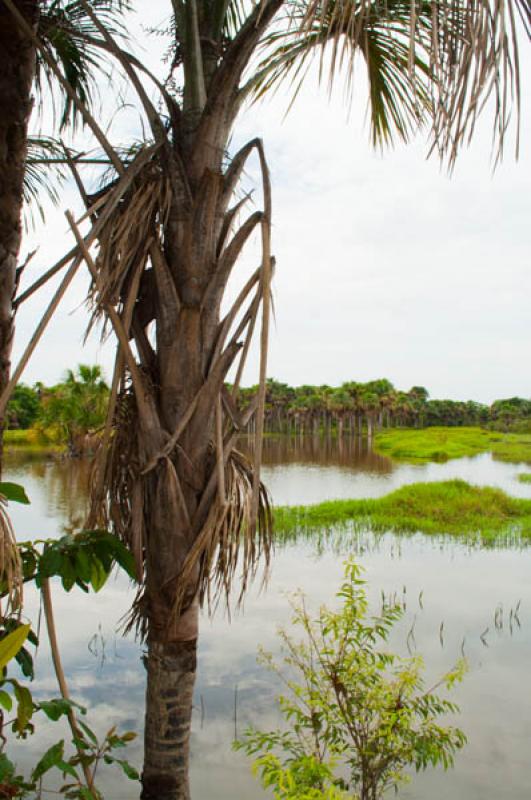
[116,470]
[230,547]
[11,574]
[223,524]
[232,542]
[126,238]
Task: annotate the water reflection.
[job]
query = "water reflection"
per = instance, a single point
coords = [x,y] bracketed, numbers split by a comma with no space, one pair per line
[460,588]
[312,469]
[58,490]
[352,453]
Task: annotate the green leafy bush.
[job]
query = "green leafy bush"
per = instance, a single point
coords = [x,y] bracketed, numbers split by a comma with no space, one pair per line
[359,716]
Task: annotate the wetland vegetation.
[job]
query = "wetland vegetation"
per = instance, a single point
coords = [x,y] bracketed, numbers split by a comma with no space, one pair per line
[443,443]
[449,507]
[406,424]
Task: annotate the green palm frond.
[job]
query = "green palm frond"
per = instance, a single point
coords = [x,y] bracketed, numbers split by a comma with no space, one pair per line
[236,12]
[398,95]
[426,60]
[71,36]
[41,177]
[222,18]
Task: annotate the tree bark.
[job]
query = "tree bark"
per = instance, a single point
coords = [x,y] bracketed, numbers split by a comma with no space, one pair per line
[172,642]
[17,70]
[171,671]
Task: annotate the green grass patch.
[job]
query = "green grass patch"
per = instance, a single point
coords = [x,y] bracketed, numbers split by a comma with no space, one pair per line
[442,444]
[30,439]
[448,507]
[524,477]
[17,437]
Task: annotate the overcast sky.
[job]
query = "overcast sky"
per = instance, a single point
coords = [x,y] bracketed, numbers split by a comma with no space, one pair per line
[386,266]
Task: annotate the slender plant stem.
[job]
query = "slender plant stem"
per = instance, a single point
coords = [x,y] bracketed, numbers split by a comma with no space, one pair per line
[61,679]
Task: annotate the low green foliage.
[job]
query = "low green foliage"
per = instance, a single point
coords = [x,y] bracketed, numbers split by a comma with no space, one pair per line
[33,439]
[85,560]
[90,752]
[524,477]
[11,644]
[23,407]
[71,412]
[14,492]
[442,444]
[448,507]
[359,716]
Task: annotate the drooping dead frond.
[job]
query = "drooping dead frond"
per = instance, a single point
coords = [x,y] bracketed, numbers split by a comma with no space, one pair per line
[232,542]
[116,468]
[212,508]
[11,575]
[129,232]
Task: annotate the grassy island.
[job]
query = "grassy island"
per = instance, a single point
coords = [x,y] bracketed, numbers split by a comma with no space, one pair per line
[524,477]
[448,507]
[444,443]
[30,441]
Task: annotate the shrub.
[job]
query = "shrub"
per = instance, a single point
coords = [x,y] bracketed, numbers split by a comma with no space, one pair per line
[359,716]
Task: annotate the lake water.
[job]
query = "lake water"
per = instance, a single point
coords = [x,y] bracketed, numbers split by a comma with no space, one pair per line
[461,586]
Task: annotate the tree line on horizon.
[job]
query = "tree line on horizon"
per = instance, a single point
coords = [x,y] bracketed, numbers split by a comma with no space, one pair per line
[363,407]
[75,408]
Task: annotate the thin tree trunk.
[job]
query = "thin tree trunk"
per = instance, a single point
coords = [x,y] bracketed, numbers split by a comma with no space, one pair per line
[171,672]
[17,69]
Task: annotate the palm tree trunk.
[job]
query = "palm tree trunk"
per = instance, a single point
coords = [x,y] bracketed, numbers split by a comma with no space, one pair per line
[171,672]
[17,69]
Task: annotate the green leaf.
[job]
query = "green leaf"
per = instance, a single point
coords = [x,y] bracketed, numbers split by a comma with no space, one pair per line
[128,769]
[81,744]
[11,644]
[68,573]
[99,575]
[51,562]
[88,732]
[52,757]
[6,700]
[29,563]
[54,709]
[124,558]
[7,768]
[67,769]
[24,707]
[25,663]
[83,565]
[14,492]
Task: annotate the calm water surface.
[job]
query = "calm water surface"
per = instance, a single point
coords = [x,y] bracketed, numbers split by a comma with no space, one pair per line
[461,588]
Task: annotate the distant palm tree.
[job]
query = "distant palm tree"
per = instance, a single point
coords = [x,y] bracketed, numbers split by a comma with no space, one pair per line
[76,407]
[169,232]
[70,37]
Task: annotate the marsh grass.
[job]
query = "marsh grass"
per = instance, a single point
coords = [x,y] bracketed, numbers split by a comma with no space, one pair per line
[449,507]
[524,477]
[31,440]
[443,444]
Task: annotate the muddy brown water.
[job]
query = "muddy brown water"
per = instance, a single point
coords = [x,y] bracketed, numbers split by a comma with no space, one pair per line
[461,586]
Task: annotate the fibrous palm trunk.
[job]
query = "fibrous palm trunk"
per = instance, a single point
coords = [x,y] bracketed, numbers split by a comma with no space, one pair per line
[169,479]
[17,68]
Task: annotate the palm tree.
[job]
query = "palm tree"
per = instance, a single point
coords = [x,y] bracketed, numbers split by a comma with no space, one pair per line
[75,408]
[167,231]
[69,36]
